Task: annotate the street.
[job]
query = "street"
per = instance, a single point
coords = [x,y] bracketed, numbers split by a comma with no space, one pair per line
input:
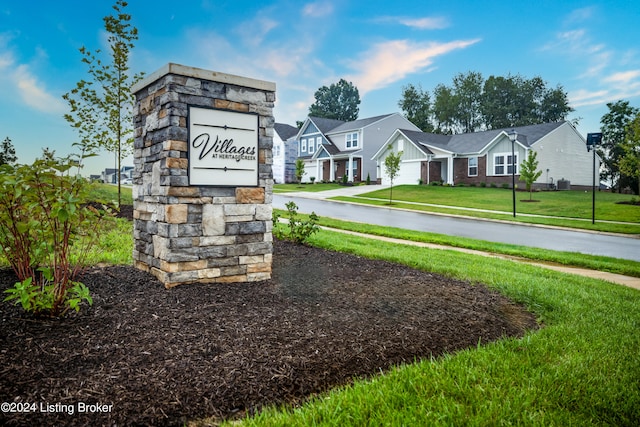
[525,235]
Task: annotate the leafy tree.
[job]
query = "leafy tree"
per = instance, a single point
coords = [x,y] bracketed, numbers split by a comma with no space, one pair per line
[468,97]
[101,108]
[444,109]
[630,162]
[614,133]
[529,172]
[299,170]
[7,153]
[338,101]
[392,167]
[416,105]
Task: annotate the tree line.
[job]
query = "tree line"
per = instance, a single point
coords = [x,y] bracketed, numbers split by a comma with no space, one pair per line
[472,103]
[620,147]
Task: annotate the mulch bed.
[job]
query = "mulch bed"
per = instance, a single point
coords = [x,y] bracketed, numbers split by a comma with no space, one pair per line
[162,357]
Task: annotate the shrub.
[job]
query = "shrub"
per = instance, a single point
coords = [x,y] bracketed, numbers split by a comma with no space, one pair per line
[44,214]
[505,185]
[298,230]
[483,184]
[368,179]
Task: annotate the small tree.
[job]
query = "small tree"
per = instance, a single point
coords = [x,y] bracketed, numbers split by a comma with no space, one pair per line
[7,153]
[529,171]
[299,170]
[101,109]
[392,167]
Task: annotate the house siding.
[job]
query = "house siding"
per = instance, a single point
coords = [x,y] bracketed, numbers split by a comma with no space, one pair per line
[562,154]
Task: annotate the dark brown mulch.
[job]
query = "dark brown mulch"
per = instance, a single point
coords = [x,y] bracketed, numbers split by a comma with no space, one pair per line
[161,357]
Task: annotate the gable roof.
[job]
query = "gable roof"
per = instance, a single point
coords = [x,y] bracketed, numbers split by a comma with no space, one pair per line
[359,124]
[325,125]
[285,131]
[475,142]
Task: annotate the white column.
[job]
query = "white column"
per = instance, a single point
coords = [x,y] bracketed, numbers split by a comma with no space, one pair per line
[350,166]
[450,170]
[332,170]
[318,171]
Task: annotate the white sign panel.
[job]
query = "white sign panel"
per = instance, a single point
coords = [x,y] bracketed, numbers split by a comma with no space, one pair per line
[223,148]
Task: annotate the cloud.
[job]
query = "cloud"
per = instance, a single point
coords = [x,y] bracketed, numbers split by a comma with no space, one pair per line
[425,23]
[256,30]
[391,61]
[18,80]
[624,77]
[34,94]
[317,9]
[580,15]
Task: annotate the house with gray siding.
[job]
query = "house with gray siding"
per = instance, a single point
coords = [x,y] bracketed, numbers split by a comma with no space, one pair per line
[332,149]
[486,157]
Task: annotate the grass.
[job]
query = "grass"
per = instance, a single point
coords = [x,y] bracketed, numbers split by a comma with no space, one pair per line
[582,368]
[569,204]
[109,192]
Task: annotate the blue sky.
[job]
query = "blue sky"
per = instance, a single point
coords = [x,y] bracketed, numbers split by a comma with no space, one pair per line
[590,48]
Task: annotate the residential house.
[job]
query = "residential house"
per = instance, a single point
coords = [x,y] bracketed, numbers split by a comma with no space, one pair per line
[333,149]
[110,176]
[285,152]
[486,157]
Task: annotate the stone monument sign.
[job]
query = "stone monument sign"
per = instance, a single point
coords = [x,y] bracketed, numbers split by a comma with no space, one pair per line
[202,181]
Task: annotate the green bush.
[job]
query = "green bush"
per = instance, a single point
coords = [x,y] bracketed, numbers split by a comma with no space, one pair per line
[298,230]
[44,215]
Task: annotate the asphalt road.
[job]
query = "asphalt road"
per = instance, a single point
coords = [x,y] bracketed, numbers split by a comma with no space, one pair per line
[525,235]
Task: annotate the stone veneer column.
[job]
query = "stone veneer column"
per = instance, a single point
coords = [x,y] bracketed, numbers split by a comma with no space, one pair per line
[198,234]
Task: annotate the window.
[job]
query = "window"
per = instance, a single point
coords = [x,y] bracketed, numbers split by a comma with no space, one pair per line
[503,164]
[352,140]
[311,146]
[303,145]
[318,142]
[510,163]
[473,166]
[276,150]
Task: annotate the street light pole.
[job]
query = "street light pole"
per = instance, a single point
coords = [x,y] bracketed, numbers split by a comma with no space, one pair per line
[593,139]
[513,136]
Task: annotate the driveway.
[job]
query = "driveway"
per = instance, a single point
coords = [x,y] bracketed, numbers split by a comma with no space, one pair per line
[585,242]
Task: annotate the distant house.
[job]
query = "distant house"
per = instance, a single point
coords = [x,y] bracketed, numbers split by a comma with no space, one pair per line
[285,152]
[332,149]
[109,175]
[486,157]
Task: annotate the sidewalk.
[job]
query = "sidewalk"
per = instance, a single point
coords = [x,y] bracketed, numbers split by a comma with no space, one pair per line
[618,279]
[342,191]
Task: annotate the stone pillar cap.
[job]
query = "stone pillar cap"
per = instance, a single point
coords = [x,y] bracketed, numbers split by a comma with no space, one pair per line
[199,73]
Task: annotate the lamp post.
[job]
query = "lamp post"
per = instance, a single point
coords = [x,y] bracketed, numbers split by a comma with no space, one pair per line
[593,139]
[513,136]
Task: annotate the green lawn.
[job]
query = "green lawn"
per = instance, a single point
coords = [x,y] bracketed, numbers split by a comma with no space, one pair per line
[581,369]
